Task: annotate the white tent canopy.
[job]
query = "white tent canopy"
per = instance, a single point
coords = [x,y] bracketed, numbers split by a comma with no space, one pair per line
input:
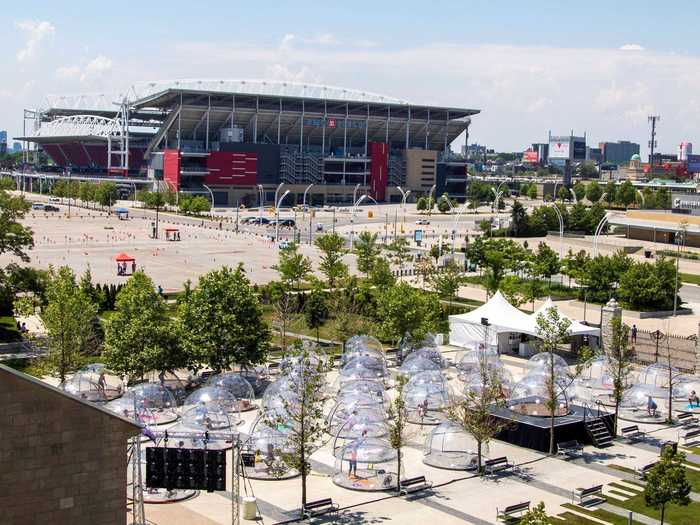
[575,328]
[467,330]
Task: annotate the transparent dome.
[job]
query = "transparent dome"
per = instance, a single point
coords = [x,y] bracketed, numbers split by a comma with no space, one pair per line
[474,383]
[686,394]
[411,367]
[427,395]
[544,359]
[426,352]
[644,403]
[176,381]
[472,361]
[280,392]
[365,367]
[148,403]
[239,387]
[351,354]
[205,417]
[212,395]
[594,369]
[658,374]
[257,376]
[262,453]
[531,393]
[449,446]
[365,464]
[311,359]
[351,420]
[365,342]
[371,387]
[94,383]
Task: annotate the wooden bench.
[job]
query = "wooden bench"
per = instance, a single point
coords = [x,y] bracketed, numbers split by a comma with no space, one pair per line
[492,466]
[587,496]
[519,509]
[319,507]
[690,436]
[687,419]
[642,472]
[631,433]
[569,449]
[415,485]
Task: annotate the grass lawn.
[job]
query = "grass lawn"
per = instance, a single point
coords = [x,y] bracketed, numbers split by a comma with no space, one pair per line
[690,278]
[675,514]
[8,330]
[598,513]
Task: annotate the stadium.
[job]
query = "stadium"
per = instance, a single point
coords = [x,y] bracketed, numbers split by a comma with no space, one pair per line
[238,140]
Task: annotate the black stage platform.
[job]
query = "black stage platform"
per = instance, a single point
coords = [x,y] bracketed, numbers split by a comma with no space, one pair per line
[533,431]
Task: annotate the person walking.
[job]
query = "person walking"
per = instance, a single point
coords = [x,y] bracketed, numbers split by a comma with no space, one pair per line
[634,333]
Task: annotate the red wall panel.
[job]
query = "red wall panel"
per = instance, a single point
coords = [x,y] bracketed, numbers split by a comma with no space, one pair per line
[171,168]
[232,168]
[378,177]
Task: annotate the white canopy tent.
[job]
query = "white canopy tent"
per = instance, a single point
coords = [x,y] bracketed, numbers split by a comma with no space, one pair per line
[466,330]
[576,328]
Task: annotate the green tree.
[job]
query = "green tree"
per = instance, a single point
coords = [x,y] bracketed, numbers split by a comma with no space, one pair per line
[68,317]
[574,264]
[332,247]
[397,426]
[596,213]
[140,337]
[579,191]
[381,275]
[443,204]
[106,193]
[647,286]
[316,309]
[593,192]
[535,516]
[619,363]
[422,204]
[578,218]
[546,262]
[221,322]
[285,308]
[667,482]
[532,191]
[563,194]
[602,273]
[663,199]
[399,251]
[518,220]
[541,220]
[402,308]
[587,170]
[367,250]
[293,266]
[446,282]
[301,417]
[626,194]
[610,192]
[15,239]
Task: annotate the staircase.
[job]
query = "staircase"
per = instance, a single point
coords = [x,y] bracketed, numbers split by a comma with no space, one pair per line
[598,430]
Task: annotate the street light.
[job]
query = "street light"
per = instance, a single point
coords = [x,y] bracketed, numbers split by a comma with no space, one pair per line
[354,192]
[641,195]
[573,194]
[261,198]
[454,225]
[303,207]
[211,213]
[278,190]
[430,200]
[561,233]
[277,215]
[598,231]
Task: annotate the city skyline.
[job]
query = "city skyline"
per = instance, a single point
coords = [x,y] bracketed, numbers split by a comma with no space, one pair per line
[529,70]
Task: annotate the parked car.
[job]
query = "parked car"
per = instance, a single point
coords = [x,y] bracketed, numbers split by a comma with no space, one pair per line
[423,221]
[38,206]
[50,207]
[287,222]
[54,199]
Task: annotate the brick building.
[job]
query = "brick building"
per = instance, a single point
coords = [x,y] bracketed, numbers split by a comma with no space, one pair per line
[63,460]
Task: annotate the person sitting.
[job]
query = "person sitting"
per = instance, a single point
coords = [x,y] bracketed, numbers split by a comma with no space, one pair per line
[651,406]
[693,399]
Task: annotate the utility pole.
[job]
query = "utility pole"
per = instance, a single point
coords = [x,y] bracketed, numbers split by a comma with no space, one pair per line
[333,226]
[653,119]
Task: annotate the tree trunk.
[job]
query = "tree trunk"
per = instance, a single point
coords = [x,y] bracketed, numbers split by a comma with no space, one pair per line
[478,457]
[617,410]
[398,473]
[663,511]
[553,401]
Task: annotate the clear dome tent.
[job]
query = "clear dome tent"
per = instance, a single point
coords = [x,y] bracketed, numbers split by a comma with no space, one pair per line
[371,387]
[644,403]
[177,381]
[474,383]
[427,395]
[530,395]
[426,352]
[363,341]
[365,464]
[238,386]
[411,367]
[659,375]
[365,367]
[94,383]
[262,453]
[206,417]
[211,396]
[148,403]
[351,420]
[473,360]
[544,360]
[449,446]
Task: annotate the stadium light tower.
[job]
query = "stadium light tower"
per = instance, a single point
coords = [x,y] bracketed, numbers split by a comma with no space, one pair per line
[653,119]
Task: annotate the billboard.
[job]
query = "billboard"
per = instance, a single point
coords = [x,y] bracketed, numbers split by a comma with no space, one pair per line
[560,148]
[693,163]
[531,157]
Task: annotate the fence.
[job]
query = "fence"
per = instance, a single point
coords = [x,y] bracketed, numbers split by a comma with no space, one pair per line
[682,349]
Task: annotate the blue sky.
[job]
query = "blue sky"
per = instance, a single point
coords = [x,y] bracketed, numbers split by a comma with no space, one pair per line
[593,66]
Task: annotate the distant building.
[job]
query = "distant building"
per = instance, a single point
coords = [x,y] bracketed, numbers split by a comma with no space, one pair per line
[685,149]
[618,152]
[474,151]
[16,147]
[594,155]
[3,142]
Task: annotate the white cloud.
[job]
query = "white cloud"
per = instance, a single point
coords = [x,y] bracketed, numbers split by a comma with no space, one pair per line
[631,47]
[97,67]
[36,32]
[325,39]
[286,42]
[68,72]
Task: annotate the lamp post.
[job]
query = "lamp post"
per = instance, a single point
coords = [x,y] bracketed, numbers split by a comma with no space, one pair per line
[573,194]
[279,187]
[70,189]
[404,196]
[303,207]
[598,231]
[277,215]
[261,198]
[680,240]
[561,234]
[641,196]
[430,200]
[211,193]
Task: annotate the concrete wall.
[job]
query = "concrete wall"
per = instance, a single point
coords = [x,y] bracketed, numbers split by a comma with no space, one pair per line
[420,170]
[63,461]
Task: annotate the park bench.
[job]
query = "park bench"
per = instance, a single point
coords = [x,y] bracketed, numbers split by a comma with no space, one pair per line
[414,485]
[492,466]
[511,511]
[569,449]
[273,367]
[631,433]
[319,507]
[690,435]
[587,496]
[687,419]
[642,472]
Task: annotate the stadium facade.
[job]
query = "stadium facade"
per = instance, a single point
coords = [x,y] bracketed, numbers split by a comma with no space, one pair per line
[236,139]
